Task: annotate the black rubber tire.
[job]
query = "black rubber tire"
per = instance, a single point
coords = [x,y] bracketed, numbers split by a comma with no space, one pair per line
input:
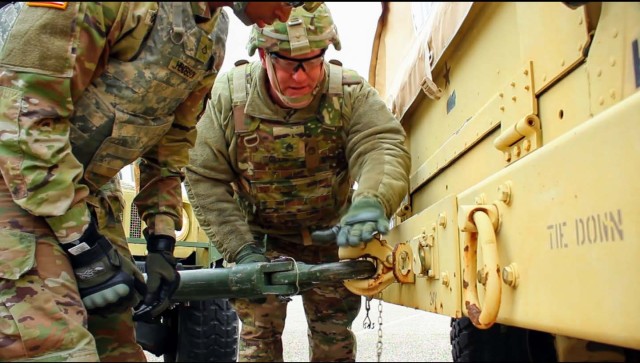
[206,331]
[500,343]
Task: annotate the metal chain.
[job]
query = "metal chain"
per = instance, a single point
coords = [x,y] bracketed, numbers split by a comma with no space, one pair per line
[379,344]
[367,324]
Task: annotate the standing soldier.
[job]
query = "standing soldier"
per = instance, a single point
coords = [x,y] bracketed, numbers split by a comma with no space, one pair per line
[86,88]
[279,147]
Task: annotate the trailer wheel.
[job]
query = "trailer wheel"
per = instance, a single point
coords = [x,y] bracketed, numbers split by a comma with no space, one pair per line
[206,331]
[500,343]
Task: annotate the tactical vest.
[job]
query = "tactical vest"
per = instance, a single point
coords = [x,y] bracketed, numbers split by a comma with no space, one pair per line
[127,109]
[296,174]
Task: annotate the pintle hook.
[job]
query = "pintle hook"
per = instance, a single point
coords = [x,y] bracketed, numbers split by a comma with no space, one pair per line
[382,255]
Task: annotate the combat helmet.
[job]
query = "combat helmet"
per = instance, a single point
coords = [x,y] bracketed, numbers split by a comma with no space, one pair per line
[302,33]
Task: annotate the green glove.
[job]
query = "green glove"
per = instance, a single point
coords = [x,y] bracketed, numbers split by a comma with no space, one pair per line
[162,278]
[250,253]
[365,217]
[108,282]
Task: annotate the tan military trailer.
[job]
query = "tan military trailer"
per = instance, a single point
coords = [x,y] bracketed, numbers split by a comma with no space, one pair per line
[523,219]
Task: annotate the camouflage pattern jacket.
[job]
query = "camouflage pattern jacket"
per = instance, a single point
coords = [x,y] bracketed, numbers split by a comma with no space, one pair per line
[259,168]
[87,88]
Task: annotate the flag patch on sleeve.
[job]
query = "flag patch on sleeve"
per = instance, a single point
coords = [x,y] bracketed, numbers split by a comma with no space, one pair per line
[49,4]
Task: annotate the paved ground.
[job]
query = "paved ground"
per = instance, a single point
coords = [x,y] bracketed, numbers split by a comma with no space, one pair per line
[408,335]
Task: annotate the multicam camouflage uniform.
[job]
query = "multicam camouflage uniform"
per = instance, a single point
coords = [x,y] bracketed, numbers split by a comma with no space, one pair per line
[259,172]
[86,89]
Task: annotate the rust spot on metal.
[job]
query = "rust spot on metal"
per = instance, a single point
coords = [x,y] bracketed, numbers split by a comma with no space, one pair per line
[474,312]
[466,248]
[375,281]
[465,284]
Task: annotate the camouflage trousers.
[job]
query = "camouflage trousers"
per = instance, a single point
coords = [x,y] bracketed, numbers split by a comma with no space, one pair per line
[42,317]
[330,309]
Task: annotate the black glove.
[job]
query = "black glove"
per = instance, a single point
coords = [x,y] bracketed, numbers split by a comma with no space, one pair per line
[250,253]
[162,278]
[108,282]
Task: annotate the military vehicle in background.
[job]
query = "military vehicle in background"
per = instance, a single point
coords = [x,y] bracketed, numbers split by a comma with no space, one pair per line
[202,330]
[523,219]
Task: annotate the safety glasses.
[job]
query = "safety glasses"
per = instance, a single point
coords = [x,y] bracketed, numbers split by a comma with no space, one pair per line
[292,65]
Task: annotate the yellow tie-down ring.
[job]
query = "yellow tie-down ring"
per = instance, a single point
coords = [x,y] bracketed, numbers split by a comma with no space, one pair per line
[479,223]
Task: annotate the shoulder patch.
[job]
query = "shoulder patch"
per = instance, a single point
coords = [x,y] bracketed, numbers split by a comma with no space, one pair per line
[49,4]
[350,77]
[55,56]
